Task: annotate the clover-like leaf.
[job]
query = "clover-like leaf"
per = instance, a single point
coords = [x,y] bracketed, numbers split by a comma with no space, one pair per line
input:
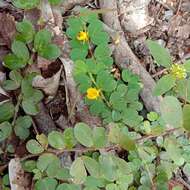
[26,31]
[42,39]
[165,84]
[23,123]
[5,130]
[26,4]
[46,184]
[56,140]
[55,2]
[171,111]
[6,111]
[49,163]
[34,147]
[13,62]
[20,50]
[83,133]
[186,118]
[68,138]
[159,53]
[78,171]
[99,137]
[50,51]
[92,166]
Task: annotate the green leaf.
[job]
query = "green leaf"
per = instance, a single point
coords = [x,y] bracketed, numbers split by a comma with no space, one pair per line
[20,50]
[78,54]
[50,52]
[173,151]
[78,171]
[183,90]
[30,107]
[186,117]
[187,65]
[76,25]
[43,140]
[63,174]
[99,137]
[178,187]
[105,81]
[26,4]
[159,53]
[15,81]
[5,130]
[55,2]
[13,62]
[80,67]
[5,180]
[83,133]
[34,147]
[165,84]
[23,123]
[99,38]
[84,82]
[152,116]
[171,111]
[68,138]
[65,186]
[6,111]
[29,165]
[92,166]
[97,107]
[49,163]
[15,76]
[10,85]
[108,167]
[126,142]
[103,55]
[45,160]
[116,136]
[111,186]
[46,184]
[26,30]
[42,39]
[94,182]
[55,139]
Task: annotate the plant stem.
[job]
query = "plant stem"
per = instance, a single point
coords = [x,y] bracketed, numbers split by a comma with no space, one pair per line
[17,109]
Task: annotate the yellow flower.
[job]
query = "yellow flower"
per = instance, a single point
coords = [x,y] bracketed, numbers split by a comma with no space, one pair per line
[178,71]
[83,36]
[93,93]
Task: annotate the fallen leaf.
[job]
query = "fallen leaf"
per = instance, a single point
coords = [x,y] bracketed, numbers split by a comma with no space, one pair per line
[7,28]
[43,63]
[48,85]
[17,177]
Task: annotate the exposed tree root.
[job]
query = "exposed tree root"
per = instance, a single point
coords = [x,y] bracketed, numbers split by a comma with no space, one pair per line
[125,58]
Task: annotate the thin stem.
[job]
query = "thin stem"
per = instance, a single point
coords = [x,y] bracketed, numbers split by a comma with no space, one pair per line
[17,109]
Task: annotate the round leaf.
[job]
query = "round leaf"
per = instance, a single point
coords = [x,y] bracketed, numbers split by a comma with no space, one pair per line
[46,184]
[34,147]
[56,140]
[83,134]
[6,111]
[171,111]
[78,171]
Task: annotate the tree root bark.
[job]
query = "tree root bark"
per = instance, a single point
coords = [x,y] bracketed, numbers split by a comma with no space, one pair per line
[125,58]
[68,4]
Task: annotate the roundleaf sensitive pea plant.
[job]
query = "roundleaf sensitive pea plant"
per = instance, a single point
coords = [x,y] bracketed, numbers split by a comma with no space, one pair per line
[132,149]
